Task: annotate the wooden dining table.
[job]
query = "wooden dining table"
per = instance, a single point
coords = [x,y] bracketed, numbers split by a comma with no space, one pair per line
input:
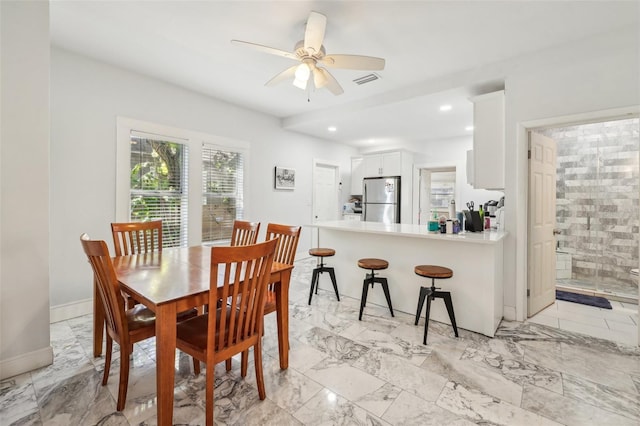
[172,281]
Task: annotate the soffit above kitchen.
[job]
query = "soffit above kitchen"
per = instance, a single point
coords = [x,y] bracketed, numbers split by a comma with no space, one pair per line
[426,44]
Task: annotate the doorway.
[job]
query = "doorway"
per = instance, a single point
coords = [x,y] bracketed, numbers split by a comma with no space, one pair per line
[326,194]
[597,209]
[437,190]
[597,201]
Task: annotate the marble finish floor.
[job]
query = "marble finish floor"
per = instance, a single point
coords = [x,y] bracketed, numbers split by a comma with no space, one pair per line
[619,324]
[348,372]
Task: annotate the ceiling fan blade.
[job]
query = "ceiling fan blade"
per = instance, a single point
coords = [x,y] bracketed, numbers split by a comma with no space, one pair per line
[327,81]
[314,32]
[319,78]
[284,75]
[353,62]
[266,49]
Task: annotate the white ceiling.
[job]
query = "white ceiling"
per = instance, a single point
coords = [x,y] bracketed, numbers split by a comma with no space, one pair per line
[187,43]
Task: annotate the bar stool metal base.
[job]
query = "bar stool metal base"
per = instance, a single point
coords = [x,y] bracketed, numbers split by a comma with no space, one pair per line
[321,268]
[430,293]
[316,277]
[371,279]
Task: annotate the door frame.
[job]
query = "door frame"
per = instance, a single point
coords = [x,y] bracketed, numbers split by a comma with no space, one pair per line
[522,198]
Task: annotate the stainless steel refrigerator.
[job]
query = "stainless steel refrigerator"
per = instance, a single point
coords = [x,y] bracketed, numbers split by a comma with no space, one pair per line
[381,199]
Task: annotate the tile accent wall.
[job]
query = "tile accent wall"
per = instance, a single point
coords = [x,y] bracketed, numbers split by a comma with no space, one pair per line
[598,200]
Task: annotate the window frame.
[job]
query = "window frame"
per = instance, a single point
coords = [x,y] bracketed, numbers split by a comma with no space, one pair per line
[194,140]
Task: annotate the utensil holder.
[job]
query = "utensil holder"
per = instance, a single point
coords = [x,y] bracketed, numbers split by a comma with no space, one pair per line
[472,222]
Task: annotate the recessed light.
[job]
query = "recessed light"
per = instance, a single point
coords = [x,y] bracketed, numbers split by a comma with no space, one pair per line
[332,128]
[468,128]
[372,141]
[445,107]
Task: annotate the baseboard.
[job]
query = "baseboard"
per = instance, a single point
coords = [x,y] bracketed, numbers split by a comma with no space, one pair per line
[509,313]
[26,362]
[70,310]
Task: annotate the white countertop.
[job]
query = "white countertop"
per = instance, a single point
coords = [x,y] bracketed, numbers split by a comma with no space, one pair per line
[407,230]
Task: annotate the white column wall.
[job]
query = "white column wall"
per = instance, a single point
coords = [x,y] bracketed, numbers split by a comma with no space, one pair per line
[597,74]
[24,193]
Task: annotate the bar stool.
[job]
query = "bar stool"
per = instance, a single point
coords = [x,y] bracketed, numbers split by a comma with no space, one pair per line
[322,253]
[374,265]
[430,293]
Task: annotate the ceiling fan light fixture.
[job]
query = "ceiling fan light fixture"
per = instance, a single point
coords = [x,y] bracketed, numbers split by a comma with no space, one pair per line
[302,75]
[303,72]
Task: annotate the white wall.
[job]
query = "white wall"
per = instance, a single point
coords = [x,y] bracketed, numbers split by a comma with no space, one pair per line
[24,193]
[595,74]
[86,98]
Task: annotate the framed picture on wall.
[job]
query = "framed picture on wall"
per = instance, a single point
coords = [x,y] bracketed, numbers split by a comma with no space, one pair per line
[284,178]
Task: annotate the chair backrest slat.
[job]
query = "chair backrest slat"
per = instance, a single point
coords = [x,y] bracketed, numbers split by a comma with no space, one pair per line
[137,237]
[288,237]
[239,274]
[244,233]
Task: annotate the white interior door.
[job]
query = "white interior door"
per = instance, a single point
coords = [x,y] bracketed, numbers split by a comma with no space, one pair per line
[325,192]
[542,222]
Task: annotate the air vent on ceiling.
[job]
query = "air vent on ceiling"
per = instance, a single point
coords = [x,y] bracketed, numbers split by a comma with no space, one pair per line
[366,79]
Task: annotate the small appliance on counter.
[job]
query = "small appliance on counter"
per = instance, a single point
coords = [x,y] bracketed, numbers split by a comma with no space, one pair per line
[500,219]
[490,207]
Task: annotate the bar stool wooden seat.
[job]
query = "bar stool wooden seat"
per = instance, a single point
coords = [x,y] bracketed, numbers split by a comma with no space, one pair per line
[315,278]
[373,265]
[430,293]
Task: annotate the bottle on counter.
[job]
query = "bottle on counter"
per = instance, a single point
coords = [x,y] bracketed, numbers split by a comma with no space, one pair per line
[434,223]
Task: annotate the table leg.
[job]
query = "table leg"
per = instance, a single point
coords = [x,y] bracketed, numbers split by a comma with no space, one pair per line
[165,361]
[98,321]
[282,313]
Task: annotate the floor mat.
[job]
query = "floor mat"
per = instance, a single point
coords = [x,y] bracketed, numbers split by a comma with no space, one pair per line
[583,299]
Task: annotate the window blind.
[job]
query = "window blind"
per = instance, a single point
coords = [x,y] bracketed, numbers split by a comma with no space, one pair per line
[159,185]
[223,191]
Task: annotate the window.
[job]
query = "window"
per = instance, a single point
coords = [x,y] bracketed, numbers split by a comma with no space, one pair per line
[159,185]
[193,181]
[222,191]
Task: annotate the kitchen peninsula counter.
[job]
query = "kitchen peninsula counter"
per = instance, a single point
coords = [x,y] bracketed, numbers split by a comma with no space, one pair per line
[475,258]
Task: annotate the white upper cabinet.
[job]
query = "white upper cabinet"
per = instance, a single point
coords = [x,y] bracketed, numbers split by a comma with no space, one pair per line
[488,141]
[384,164]
[357,173]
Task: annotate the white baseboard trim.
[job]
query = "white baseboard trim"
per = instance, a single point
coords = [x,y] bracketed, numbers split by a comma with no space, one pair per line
[70,310]
[26,362]
[509,313]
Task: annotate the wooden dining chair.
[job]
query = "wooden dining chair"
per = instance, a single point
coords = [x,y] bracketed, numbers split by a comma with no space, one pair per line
[287,237]
[125,326]
[239,274]
[137,237]
[244,233]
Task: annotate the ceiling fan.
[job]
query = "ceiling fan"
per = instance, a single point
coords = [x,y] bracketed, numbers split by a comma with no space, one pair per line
[311,53]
